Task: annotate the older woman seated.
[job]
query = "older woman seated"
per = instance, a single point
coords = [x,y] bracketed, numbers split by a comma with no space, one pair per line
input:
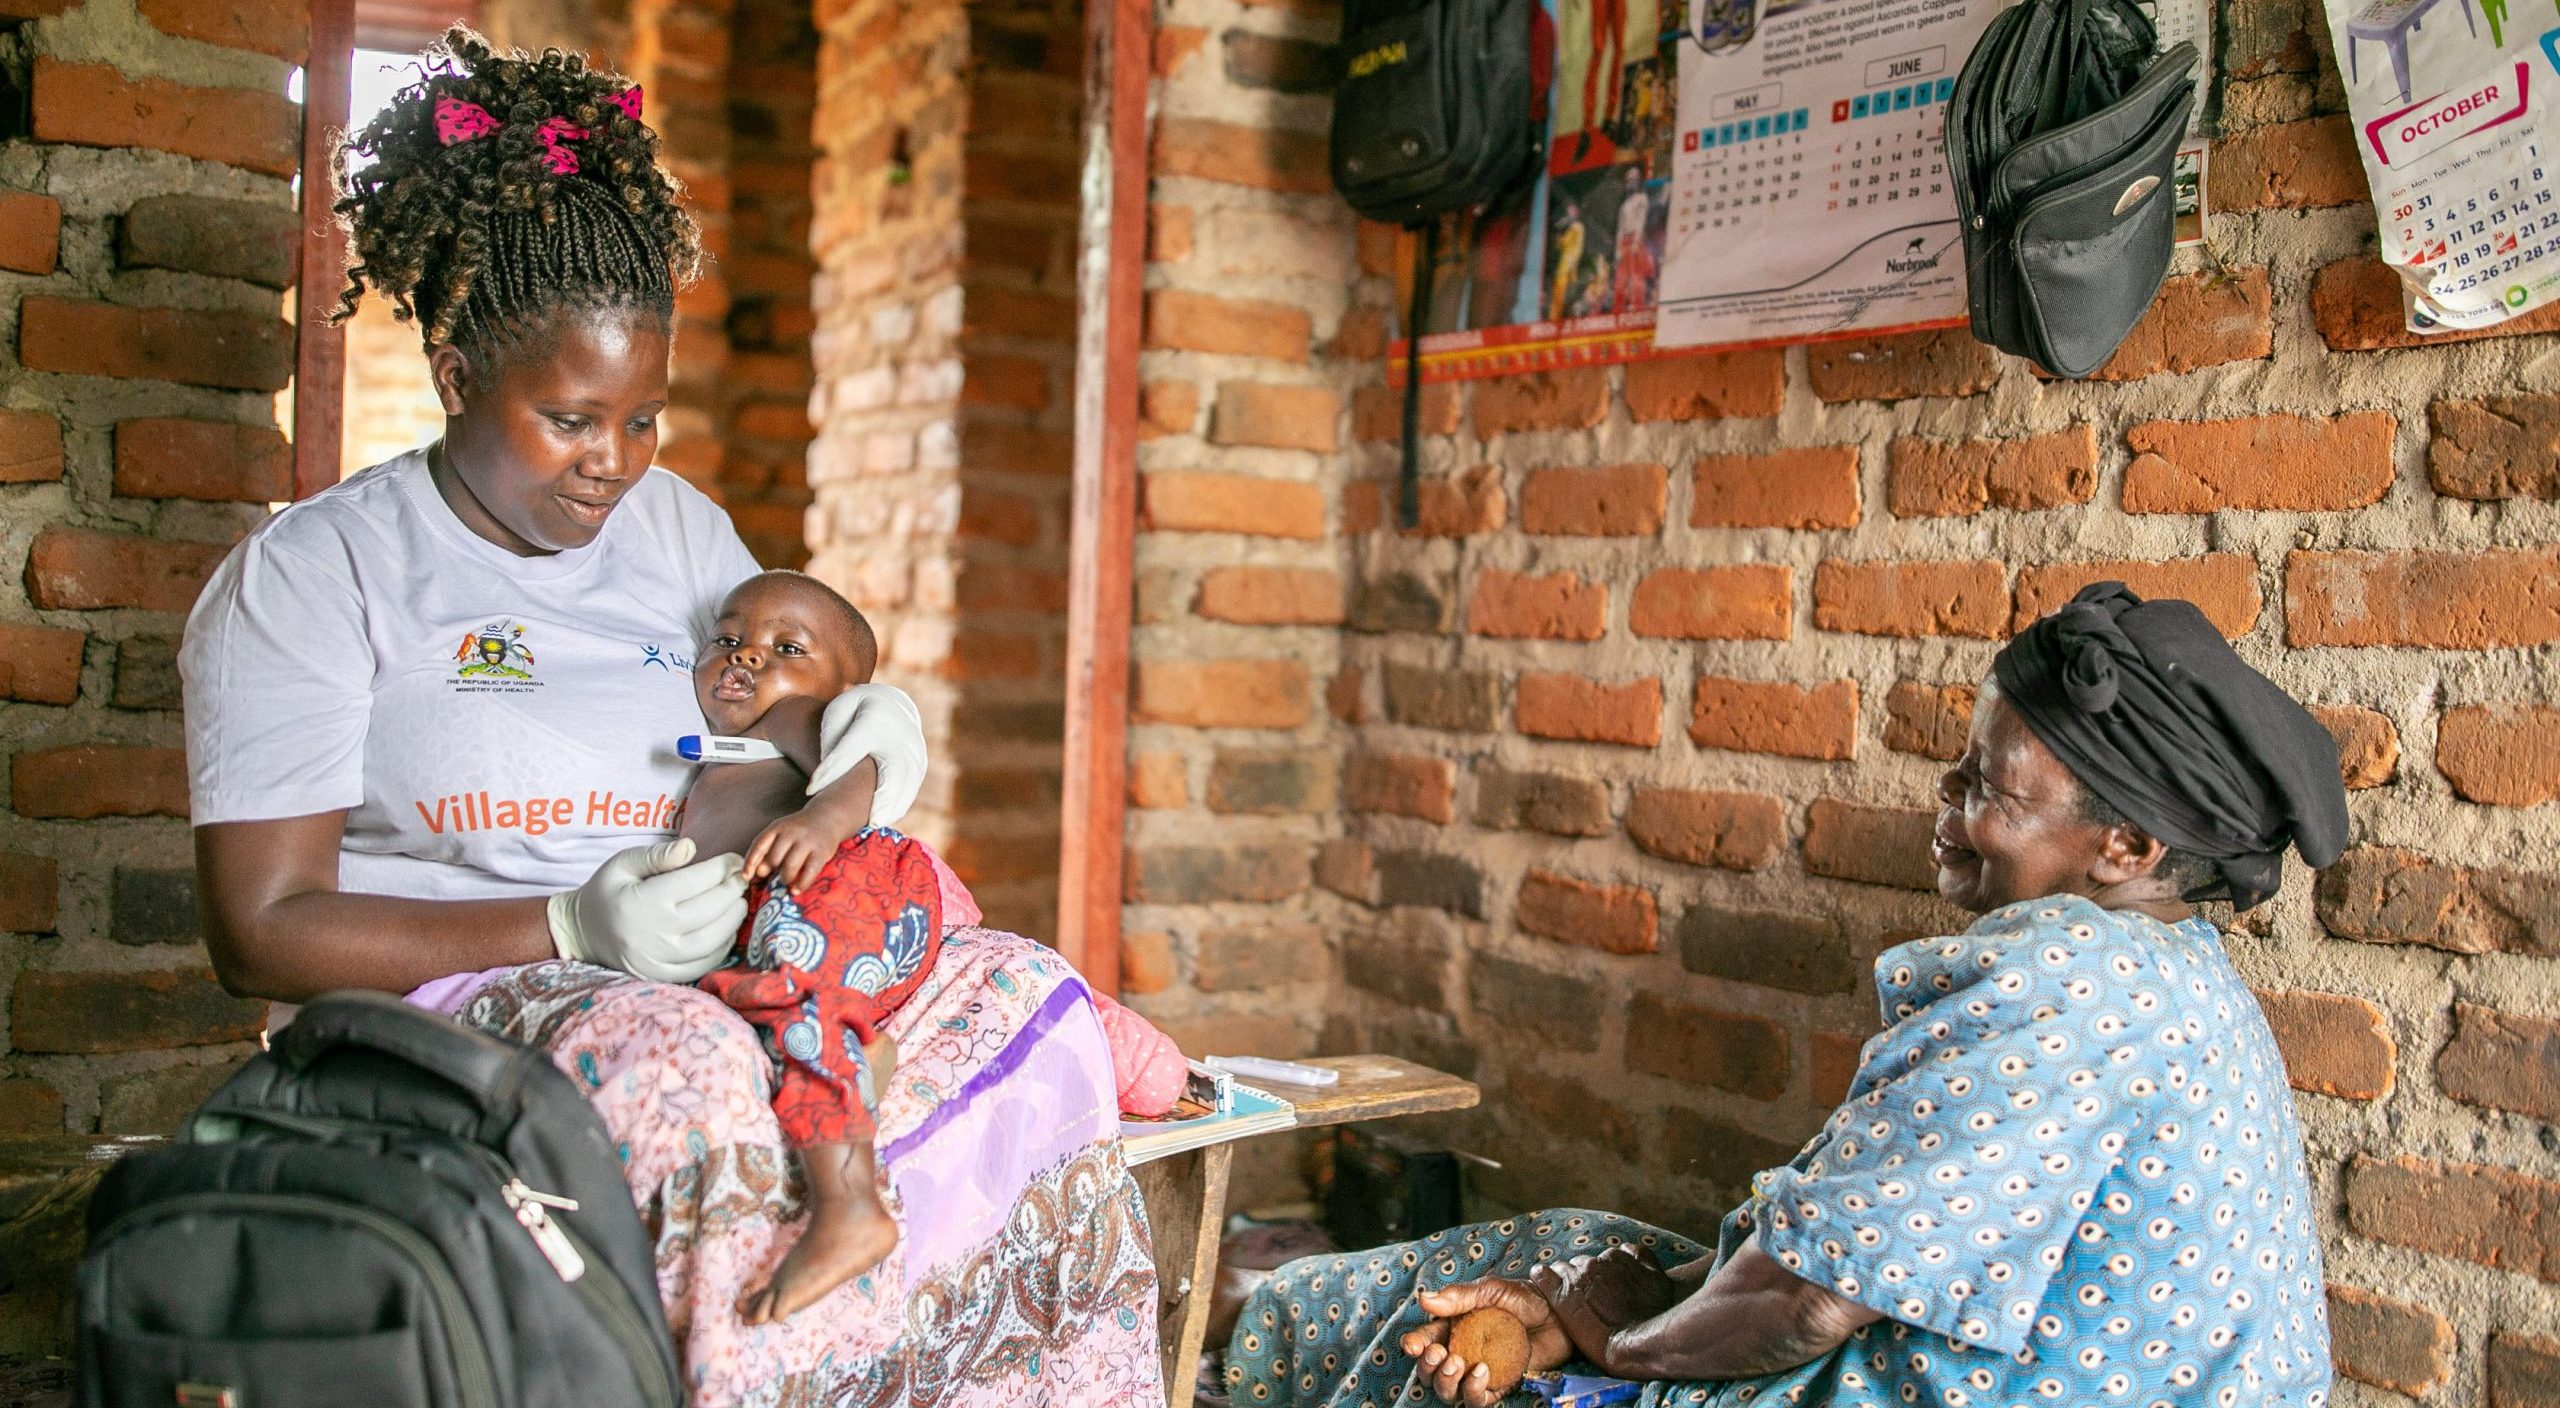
[2068,1170]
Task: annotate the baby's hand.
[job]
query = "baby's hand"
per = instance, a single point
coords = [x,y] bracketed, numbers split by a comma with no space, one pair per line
[794,848]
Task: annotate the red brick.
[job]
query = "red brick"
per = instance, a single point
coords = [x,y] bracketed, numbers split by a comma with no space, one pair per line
[2524,1371]
[2507,755]
[202,459]
[1911,598]
[2259,462]
[1280,417]
[2447,600]
[276,27]
[1587,711]
[2493,1216]
[1556,803]
[1749,383]
[997,311]
[1613,501]
[1723,1050]
[1146,963]
[1459,506]
[1167,408]
[1946,362]
[40,664]
[989,515]
[2507,447]
[1790,720]
[29,1107]
[30,448]
[1176,43]
[2355,303]
[1273,62]
[236,351]
[1242,327]
[1876,845]
[30,232]
[2198,320]
[97,1013]
[992,655]
[1807,488]
[2223,585]
[77,569]
[94,105]
[993,379]
[1833,1069]
[2502,1061]
[1269,159]
[1223,693]
[1401,785]
[28,886]
[1239,874]
[1574,398]
[1361,336]
[1729,830]
[1610,918]
[1932,720]
[1168,226]
[1344,866]
[1519,606]
[96,779]
[2332,1045]
[1272,782]
[1158,782]
[1270,596]
[1453,701]
[1945,478]
[2368,746]
[1252,959]
[1345,697]
[2405,1348]
[2287,166]
[1004,586]
[1232,503]
[1377,412]
[2381,895]
[1746,601]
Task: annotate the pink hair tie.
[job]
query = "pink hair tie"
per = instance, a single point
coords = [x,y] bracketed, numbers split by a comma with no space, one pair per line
[459,121]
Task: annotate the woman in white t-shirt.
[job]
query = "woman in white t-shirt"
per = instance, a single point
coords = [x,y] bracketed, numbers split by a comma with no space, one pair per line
[431,725]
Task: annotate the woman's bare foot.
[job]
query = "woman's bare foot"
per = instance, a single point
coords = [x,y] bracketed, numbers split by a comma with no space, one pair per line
[849,1232]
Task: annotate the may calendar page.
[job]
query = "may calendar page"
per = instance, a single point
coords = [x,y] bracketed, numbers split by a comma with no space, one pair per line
[1810,193]
[2455,119]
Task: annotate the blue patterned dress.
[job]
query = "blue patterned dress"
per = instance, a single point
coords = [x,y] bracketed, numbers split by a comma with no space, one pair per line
[2068,1172]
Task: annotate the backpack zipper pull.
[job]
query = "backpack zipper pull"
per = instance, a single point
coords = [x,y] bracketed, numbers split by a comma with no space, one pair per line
[531,1209]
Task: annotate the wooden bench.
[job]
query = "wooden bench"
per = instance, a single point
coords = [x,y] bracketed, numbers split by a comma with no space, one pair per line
[1186,1193]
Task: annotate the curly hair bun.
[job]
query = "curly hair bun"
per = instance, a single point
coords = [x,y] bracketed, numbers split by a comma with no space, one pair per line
[482,239]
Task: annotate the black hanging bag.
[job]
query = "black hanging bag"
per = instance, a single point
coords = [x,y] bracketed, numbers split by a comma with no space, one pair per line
[386,1209]
[1437,111]
[2062,134]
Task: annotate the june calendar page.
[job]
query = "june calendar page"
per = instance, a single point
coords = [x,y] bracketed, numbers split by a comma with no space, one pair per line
[1810,192]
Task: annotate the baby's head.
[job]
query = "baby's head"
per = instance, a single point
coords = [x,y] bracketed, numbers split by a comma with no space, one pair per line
[779,634]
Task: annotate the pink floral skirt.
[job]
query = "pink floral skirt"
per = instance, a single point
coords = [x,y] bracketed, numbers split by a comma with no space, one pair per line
[1023,1273]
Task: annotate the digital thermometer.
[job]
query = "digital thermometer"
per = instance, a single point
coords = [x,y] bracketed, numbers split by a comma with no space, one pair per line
[716,748]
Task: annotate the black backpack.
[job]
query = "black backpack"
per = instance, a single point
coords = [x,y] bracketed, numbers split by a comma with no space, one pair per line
[2062,137]
[1437,110]
[387,1209]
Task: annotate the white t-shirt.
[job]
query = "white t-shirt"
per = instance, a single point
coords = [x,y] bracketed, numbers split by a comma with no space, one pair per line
[494,725]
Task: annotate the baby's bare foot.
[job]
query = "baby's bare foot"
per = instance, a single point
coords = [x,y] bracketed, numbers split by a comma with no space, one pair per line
[849,1233]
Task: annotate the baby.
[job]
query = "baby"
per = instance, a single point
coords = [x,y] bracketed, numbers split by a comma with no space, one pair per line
[847,919]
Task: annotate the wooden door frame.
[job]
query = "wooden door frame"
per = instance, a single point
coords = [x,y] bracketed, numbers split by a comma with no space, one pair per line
[1111,253]
[320,346]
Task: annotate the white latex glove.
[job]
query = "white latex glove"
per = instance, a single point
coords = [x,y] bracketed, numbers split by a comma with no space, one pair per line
[876,721]
[654,912]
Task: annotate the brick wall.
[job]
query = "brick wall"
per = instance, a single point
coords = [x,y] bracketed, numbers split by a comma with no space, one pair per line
[944,229]
[147,230]
[1607,784]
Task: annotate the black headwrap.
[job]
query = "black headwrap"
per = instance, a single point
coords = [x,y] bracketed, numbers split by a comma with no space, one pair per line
[2152,710]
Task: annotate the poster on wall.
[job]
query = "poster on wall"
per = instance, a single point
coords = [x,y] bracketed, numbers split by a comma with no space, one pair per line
[2455,120]
[1812,194]
[1564,273]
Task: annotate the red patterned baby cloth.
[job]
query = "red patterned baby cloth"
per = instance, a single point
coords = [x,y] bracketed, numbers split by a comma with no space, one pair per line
[818,971]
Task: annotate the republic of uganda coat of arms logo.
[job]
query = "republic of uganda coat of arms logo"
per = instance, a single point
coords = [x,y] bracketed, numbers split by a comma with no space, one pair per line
[494,652]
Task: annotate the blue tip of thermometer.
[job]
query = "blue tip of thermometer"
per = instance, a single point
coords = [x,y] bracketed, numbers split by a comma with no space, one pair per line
[716,748]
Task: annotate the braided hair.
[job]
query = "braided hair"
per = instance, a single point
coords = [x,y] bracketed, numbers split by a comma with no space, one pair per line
[482,241]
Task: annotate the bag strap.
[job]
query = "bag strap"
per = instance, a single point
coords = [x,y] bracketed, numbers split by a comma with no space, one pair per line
[483,1067]
[1409,476]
